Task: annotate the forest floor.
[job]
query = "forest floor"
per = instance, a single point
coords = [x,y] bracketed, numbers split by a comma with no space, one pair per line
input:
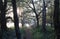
[27,33]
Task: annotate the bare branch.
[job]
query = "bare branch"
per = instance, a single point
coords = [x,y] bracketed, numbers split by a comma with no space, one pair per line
[34,7]
[29,5]
[40,12]
[34,10]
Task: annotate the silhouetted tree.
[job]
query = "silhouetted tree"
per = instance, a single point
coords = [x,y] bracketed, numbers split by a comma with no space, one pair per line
[37,15]
[44,16]
[56,19]
[44,20]
[16,20]
[0,12]
[3,6]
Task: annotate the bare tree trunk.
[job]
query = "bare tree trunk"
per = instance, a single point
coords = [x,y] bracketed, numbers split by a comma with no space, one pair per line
[56,19]
[0,21]
[3,18]
[44,16]
[16,20]
[37,21]
[44,20]
[37,15]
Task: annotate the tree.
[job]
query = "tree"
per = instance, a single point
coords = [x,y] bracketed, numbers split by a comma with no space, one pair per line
[44,16]
[37,14]
[16,21]
[56,19]
[44,20]
[36,8]
[3,6]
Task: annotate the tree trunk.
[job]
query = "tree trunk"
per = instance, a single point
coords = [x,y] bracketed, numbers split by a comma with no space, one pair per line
[16,20]
[44,20]
[3,18]
[56,19]
[44,17]
[37,21]
[35,14]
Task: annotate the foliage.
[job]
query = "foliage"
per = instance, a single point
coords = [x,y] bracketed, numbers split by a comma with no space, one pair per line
[39,34]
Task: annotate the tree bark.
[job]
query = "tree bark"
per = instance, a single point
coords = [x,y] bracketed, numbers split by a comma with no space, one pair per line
[44,16]
[16,20]
[37,21]
[44,20]
[37,15]
[3,18]
[56,19]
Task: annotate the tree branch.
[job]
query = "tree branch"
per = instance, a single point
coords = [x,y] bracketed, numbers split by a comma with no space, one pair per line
[29,5]
[40,12]
[34,7]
